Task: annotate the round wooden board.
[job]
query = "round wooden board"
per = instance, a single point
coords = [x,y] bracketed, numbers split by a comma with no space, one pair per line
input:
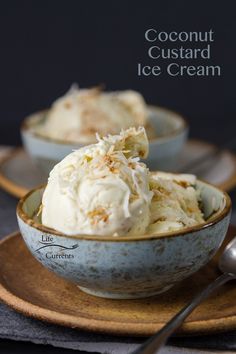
[31,289]
[18,174]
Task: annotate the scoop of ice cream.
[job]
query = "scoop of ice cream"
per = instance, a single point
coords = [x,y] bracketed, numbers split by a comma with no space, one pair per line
[78,115]
[175,202]
[101,189]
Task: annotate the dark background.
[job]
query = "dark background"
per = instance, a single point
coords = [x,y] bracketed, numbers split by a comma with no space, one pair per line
[47,45]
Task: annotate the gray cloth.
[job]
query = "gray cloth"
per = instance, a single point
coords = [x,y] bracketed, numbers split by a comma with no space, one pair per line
[18,327]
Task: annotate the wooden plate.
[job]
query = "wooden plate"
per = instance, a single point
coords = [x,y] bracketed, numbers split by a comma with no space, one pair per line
[18,174]
[28,287]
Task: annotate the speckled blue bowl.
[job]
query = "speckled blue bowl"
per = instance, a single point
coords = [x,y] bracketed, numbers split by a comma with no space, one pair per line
[127,267]
[171,131]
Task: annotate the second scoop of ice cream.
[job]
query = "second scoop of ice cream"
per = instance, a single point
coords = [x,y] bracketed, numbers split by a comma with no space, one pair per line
[78,115]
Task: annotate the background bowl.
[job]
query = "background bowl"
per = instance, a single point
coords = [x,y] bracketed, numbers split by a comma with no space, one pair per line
[127,267]
[170,128]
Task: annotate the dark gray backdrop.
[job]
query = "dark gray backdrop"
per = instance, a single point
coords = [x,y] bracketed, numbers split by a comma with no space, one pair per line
[47,45]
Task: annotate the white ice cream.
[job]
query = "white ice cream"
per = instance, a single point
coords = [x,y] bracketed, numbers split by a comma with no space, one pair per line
[101,189]
[175,203]
[79,114]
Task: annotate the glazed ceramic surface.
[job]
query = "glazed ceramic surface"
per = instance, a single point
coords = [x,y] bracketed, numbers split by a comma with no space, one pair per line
[171,131]
[126,267]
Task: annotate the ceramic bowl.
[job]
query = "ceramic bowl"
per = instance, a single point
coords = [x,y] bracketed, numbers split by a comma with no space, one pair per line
[127,267]
[171,131]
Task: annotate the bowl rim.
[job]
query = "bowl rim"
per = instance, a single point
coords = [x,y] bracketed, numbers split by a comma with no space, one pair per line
[184,127]
[214,219]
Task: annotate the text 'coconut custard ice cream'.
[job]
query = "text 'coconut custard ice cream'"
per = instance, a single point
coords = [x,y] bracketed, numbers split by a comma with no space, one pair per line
[79,114]
[103,189]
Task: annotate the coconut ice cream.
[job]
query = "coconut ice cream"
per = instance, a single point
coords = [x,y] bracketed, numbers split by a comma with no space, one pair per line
[104,189]
[101,189]
[175,203]
[80,113]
